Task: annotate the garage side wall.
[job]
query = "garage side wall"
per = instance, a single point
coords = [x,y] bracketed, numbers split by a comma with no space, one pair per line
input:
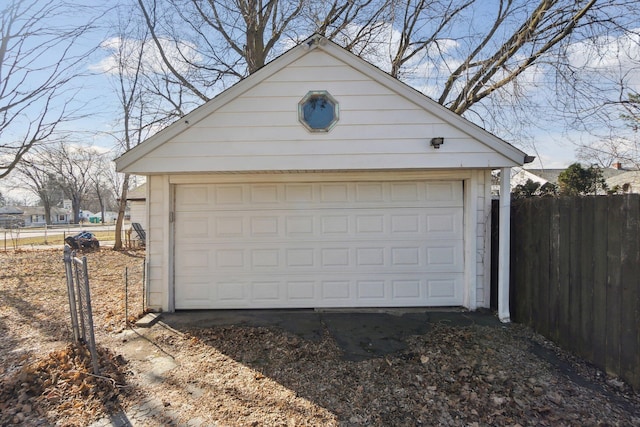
[158,249]
[160,238]
[483,242]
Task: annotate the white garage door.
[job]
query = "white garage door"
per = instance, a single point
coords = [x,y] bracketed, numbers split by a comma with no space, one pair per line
[327,244]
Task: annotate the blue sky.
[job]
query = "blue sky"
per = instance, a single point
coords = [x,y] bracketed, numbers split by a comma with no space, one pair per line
[549,139]
[540,131]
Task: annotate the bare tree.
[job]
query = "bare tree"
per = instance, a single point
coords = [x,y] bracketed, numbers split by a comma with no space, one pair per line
[617,122]
[73,166]
[136,79]
[39,58]
[100,188]
[37,177]
[207,45]
[482,60]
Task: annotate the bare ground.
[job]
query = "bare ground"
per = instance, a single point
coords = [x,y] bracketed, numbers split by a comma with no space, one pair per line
[251,376]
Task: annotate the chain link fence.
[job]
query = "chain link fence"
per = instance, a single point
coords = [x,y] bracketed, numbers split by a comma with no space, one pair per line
[80,303]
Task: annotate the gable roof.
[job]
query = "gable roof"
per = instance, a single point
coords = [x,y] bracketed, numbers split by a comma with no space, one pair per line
[138,194]
[552,175]
[513,155]
[10,210]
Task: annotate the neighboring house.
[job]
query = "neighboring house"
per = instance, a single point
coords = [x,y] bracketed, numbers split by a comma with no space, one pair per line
[613,176]
[11,217]
[520,176]
[85,215]
[137,202]
[34,216]
[321,181]
[628,181]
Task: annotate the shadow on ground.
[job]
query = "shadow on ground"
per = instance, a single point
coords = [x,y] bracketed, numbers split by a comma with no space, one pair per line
[359,334]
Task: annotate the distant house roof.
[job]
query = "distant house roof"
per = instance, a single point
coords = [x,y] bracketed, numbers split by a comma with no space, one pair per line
[548,175]
[10,210]
[551,175]
[628,179]
[39,210]
[138,194]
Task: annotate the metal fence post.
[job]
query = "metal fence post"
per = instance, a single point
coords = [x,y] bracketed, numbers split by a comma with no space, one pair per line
[80,303]
[144,284]
[126,296]
[68,259]
[89,313]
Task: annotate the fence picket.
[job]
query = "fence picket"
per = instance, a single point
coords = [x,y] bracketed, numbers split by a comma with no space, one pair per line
[614,288]
[599,253]
[585,259]
[629,271]
[575,274]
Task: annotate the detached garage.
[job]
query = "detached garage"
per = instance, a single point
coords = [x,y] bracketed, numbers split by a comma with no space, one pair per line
[319,181]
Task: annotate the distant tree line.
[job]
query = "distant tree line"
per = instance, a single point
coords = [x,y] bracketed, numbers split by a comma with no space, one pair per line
[58,172]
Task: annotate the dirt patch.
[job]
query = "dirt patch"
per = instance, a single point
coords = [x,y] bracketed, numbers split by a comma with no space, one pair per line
[264,375]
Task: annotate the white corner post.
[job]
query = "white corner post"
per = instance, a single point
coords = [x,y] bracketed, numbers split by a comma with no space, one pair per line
[504,242]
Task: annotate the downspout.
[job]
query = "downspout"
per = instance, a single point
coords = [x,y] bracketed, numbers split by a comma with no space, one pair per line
[504,242]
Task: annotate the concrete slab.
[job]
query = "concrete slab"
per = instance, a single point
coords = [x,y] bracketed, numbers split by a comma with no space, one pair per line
[361,334]
[148,320]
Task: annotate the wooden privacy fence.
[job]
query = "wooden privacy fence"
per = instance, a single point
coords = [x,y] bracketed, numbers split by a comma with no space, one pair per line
[575,276]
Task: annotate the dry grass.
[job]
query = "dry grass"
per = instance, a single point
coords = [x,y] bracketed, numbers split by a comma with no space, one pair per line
[256,376]
[23,239]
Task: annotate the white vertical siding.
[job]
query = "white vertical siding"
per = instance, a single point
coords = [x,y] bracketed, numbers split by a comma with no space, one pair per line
[137,212]
[157,238]
[483,242]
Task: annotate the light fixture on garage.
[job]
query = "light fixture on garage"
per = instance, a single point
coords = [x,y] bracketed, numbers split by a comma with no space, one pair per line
[437,142]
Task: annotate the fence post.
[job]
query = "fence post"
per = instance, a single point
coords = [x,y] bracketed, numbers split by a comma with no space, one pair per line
[126,296]
[68,259]
[144,284]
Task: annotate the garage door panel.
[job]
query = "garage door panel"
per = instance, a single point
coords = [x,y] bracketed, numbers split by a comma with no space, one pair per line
[444,193]
[229,194]
[206,197]
[192,196]
[230,259]
[332,291]
[333,193]
[262,194]
[228,226]
[299,193]
[352,244]
[195,226]
[300,226]
[370,290]
[413,223]
[231,292]
[319,257]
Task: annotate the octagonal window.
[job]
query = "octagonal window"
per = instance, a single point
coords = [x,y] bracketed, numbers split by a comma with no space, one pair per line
[318,111]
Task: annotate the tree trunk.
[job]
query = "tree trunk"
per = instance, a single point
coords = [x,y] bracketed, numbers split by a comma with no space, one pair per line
[121,208]
[47,212]
[75,206]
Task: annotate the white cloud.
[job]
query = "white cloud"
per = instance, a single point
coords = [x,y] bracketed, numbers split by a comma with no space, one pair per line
[181,54]
[615,58]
